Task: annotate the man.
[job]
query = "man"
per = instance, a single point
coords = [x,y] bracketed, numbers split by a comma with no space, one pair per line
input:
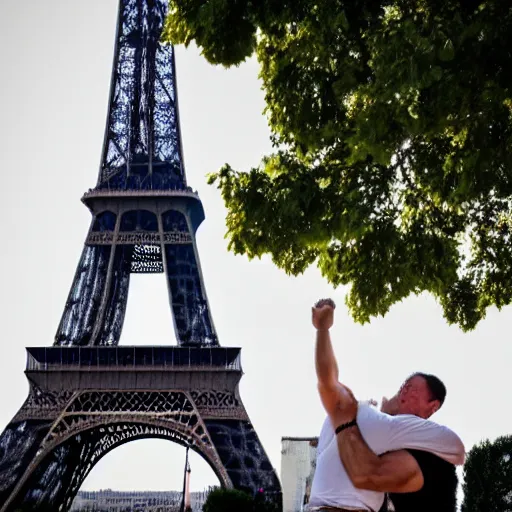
[376,433]
[421,395]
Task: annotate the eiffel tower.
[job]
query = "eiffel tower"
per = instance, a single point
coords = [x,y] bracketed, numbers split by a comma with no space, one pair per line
[88,395]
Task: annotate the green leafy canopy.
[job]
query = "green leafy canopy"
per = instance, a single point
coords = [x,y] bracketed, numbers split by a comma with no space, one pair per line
[392,126]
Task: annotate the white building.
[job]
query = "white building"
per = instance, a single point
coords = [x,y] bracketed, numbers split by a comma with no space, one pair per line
[135,501]
[298,462]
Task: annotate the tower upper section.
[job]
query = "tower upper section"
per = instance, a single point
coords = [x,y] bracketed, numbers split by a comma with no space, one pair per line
[142,148]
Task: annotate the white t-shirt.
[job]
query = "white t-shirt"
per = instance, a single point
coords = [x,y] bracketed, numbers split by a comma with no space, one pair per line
[383,433]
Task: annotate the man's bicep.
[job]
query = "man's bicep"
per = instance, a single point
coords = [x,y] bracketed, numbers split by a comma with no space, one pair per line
[330,397]
[396,472]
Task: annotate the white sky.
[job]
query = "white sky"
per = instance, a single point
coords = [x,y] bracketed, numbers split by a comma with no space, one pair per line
[55,62]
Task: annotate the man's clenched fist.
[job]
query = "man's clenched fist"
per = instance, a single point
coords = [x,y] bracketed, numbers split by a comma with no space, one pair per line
[323,314]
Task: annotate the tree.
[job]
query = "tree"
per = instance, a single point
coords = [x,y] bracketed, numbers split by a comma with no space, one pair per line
[488,477]
[392,127]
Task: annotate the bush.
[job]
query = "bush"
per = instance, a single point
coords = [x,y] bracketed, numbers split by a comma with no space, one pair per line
[231,500]
[228,500]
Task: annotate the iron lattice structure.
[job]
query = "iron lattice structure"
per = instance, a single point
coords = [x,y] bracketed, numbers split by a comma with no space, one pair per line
[87,394]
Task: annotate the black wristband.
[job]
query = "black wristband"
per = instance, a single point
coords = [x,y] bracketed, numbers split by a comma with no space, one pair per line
[352,423]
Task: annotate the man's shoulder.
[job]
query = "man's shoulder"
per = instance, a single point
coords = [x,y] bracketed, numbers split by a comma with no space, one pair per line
[401,422]
[369,413]
[411,432]
[421,426]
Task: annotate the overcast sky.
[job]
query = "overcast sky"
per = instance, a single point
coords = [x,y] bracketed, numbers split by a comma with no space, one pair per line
[55,62]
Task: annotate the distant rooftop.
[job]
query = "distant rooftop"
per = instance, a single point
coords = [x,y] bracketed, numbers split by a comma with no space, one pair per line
[299,438]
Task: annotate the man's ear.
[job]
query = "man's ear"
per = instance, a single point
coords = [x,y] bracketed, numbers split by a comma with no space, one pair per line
[436,405]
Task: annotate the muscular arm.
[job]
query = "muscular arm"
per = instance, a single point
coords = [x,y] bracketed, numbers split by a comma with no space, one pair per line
[326,369]
[397,470]
[336,398]
[392,472]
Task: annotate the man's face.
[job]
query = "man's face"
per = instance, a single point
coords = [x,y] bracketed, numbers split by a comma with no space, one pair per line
[414,397]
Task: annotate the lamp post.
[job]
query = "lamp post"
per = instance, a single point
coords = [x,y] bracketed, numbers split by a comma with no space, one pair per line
[185,483]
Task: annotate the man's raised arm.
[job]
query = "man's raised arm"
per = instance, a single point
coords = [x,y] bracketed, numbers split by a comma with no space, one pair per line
[336,399]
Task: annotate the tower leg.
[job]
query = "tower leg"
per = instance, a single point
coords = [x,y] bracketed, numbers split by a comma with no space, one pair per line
[19,444]
[244,458]
[187,296]
[22,439]
[237,444]
[85,297]
[116,298]
[190,308]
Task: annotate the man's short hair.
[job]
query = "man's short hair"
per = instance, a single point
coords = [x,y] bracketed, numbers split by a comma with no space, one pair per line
[435,385]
